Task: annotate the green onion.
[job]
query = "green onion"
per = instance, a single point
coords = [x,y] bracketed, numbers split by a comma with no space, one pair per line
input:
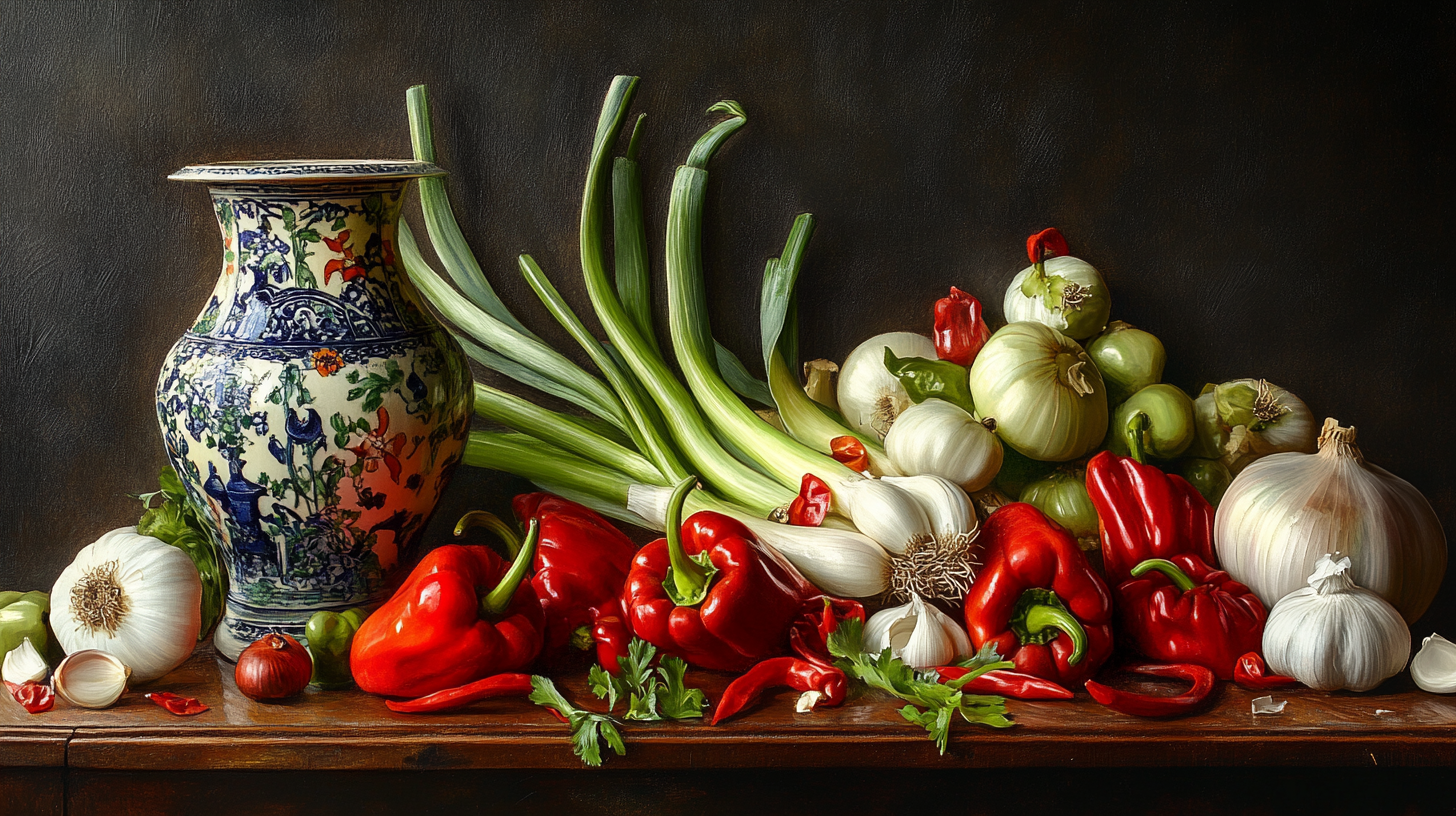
[630,240]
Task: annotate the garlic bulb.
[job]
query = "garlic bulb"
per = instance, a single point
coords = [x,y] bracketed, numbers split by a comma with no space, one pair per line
[870,397]
[1043,391]
[92,678]
[1434,666]
[945,504]
[23,664]
[939,438]
[918,634]
[884,512]
[1335,635]
[132,596]
[1286,510]
[1241,421]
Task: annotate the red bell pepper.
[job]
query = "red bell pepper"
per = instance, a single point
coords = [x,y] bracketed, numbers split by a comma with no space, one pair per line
[960,330]
[1156,705]
[1146,513]
[462,614]
[1180,610]
[711,594]
[1038,600]
[581,564]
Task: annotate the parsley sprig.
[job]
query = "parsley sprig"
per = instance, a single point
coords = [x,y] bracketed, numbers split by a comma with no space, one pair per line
[647,692]
[588,728]
[937,702]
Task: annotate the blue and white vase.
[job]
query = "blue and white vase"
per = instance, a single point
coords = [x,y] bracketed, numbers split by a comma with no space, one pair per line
[315,409]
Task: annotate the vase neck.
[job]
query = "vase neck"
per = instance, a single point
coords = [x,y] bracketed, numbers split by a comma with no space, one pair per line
[310,261]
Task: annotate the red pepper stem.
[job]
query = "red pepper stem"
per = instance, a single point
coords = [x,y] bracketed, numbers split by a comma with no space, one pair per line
[490,521]
[1137,426]
[1179,578]
[498,600]
[688,577]
[1043,616]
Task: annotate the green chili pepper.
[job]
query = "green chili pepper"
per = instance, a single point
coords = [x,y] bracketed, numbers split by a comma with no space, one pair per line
[924,379]
[22,615]
[329,635]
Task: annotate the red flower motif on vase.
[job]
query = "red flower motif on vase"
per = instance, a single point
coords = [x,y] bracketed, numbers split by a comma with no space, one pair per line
[378,447]
[348,266]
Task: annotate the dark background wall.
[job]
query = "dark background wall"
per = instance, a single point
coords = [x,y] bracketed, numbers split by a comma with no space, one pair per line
[1268,192]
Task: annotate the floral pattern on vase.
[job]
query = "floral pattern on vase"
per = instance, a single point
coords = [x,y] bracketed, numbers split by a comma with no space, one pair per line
[315,409]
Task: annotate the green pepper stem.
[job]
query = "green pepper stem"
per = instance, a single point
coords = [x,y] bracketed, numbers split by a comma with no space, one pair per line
[688,577]
[490,521]
[1043,616]
[1137,426]
[499,599]
[1179,578]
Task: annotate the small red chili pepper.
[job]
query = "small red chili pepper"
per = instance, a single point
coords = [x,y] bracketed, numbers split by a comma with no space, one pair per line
[850,452]
[1149,705]
[1007,683]
[612,637]
[960,330]
[35,697]
[1251,673]
[828,682]
[809,508]
[500,685]
[1048,243]
[176,703]
[817,620]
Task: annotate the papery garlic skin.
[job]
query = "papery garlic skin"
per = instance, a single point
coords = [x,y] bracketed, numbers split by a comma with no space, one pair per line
[917,633]
[1285,511]
[945,504]
[1335,635]
[132,596]
[23,664]
[885,513]
[941,439]
[870,397]
[91,678]
[1434,666]
[1285,425]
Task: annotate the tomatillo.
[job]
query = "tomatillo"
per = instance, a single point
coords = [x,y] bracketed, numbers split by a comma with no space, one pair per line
[1208,476]
[1129,358]
[1169,427]
[329,636]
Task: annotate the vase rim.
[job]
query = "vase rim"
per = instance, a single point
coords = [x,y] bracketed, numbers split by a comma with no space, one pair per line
[305,170]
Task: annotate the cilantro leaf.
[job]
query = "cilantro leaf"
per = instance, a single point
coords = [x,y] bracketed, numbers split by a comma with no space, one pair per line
[587,727]
[604,686]
[637,665]
[678,701]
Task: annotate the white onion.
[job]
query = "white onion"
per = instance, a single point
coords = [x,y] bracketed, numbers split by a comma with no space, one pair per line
[1079,322]
[1278,422]
[870,397]
[941,439]
[1043,391]
[1286,510]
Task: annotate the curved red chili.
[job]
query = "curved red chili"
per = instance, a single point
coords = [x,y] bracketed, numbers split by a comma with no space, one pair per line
[499,685]
[1150,705]
[1251,673]
[797,674]
[1007,683]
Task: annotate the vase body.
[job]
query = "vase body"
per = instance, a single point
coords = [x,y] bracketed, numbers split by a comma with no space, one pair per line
[315,409]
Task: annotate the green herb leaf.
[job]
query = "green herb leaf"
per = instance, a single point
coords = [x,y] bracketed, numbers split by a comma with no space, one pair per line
[678,701]
[603,685]
[176,522]
[587,727]
[643,705]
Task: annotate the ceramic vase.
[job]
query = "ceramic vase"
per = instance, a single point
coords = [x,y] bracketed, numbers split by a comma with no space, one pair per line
[315,409]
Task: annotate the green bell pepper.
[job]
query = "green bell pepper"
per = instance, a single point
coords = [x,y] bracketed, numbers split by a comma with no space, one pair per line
[329,636]
[22,615]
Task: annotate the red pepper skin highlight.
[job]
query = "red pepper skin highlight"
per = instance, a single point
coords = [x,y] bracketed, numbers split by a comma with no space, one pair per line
[1006,683]
[432,635]
[1031,564]
[581,564]
[800,675]
[612,636]
[1145,513]
[1147,705]
[745,616]
[500,685]
[1210,620]
[1252,673]
[960,330]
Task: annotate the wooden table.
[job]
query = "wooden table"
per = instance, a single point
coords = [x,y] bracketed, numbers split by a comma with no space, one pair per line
[337,748]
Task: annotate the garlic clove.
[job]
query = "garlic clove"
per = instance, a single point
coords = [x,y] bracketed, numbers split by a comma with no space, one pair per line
[1434,666]
[23,664]
[944,502]
[917,633]
[889,515]
[91,678]
[806,702]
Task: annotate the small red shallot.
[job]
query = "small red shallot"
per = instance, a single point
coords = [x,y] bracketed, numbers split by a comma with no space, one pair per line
[274,667]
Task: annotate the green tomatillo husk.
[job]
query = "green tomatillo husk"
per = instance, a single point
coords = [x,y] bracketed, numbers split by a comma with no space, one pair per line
[1129,358]
[329,636]
[1169,428]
